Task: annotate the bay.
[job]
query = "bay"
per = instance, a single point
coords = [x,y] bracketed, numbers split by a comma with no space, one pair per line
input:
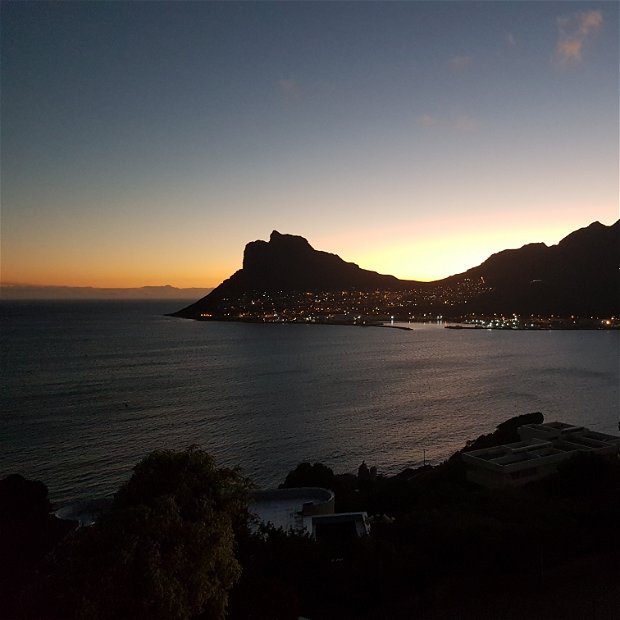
[88,388]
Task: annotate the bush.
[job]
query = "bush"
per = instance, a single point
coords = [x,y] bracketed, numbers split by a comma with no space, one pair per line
[165,550]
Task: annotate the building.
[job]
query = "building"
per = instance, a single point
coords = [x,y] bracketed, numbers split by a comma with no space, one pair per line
[291,509]
[307,510]
[537,455]
[340,527]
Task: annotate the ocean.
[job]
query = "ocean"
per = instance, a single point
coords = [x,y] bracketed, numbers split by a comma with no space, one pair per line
[89,388]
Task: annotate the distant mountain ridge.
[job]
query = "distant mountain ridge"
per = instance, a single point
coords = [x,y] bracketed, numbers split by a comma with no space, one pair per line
[578,275]
[36,292]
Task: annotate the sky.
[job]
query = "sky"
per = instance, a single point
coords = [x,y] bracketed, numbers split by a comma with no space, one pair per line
[145,143]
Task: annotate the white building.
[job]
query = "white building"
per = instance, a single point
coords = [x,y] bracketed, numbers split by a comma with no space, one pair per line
[307,510]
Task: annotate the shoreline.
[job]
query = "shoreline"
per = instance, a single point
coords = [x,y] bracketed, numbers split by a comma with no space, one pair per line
[453,324]
[265,322]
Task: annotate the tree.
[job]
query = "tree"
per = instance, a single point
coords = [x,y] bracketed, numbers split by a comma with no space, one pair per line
[27,533]
[306,475]
[23,499]
[166,549]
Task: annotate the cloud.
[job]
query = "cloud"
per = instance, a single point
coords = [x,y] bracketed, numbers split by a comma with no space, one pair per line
[460,62]
[510,40]
[289,88]
[426,120]
[570,50]
[590,21]
[573,32]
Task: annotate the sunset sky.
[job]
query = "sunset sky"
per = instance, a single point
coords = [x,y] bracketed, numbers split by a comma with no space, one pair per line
[145,143]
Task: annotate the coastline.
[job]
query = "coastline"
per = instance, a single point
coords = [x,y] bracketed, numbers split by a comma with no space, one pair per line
[285,322]
[456,324]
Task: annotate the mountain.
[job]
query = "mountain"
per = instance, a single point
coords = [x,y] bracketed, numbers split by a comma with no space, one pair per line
[35,292]
[579,275]
[288,263]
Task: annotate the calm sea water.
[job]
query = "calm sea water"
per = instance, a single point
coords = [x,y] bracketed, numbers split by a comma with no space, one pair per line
[89,388]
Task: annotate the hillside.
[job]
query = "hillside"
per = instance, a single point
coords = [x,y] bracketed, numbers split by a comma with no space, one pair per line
[288,263]
[580,275]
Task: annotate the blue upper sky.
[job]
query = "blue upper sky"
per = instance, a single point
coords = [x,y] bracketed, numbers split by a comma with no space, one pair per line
[147,142]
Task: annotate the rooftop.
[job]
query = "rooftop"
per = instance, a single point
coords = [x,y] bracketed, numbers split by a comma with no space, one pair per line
[541,448]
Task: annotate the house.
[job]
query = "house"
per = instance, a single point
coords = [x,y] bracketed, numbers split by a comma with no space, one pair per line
[537,455]
[307,510]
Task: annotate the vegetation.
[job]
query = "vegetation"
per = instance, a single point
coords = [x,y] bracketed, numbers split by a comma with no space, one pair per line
[441,547]
[307,475]
[27,534]
[166,549]
[176,544]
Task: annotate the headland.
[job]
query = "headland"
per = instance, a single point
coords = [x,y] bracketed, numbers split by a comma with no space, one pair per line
[573,285]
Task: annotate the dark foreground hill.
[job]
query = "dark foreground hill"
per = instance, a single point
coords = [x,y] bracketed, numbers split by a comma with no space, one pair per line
[580,275]
[178,542]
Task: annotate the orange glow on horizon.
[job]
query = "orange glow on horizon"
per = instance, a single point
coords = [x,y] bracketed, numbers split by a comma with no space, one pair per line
[426,250]
[188,280]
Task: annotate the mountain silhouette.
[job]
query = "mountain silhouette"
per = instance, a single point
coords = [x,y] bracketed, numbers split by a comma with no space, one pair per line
[579,275]
[288,263]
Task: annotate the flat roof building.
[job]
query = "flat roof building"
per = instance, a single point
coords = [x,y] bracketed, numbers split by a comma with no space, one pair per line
[537,455]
